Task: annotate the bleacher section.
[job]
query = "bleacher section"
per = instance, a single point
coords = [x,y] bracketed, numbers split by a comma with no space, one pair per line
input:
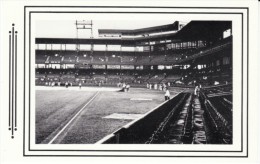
[205,76]
[41,57]
[171,78]
[72,57]
[156,79]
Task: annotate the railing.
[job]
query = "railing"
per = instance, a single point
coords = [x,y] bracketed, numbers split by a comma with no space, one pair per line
[222,128]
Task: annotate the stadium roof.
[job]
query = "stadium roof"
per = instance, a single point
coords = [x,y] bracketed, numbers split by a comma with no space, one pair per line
[203,30]
[117,41]
[194,30]
[142,31]
[102,41]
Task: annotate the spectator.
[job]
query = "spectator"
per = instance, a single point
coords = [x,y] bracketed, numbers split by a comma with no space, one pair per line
[119,84]
[164,87]
[167,94]
[160,87]
[196,91]
[127,87]
[124,87]
[155,86]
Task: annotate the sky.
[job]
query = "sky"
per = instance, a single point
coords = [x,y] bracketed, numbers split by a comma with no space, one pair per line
[67,28]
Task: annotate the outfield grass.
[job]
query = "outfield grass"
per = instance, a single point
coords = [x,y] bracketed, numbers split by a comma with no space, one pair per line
[55,108]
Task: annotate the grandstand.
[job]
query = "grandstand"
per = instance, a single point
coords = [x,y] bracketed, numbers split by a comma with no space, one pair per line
[195,54]
[175,49]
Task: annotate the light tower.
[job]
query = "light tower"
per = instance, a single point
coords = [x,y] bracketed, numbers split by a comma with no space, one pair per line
[85,25]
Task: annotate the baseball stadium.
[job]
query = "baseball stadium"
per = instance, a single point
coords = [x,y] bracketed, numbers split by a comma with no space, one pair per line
[162,84]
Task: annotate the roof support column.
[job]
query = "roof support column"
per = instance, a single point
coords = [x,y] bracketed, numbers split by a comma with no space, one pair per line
[106,50]
[165,46]
[149,50]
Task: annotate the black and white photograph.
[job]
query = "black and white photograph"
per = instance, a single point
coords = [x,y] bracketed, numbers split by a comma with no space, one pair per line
[134,82]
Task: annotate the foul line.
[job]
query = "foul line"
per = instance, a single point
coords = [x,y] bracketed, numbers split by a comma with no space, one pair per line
[57,135]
